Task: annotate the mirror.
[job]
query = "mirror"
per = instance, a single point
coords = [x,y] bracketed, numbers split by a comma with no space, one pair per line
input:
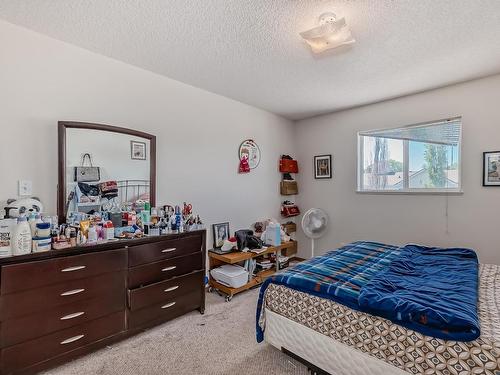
[103,167]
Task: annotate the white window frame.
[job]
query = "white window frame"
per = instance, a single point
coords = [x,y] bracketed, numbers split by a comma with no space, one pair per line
[406,189]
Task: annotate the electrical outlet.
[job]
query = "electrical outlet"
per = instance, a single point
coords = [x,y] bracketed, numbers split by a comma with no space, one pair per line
[25,188]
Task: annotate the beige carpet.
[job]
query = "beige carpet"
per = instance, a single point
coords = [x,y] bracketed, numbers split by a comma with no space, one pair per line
[220,342]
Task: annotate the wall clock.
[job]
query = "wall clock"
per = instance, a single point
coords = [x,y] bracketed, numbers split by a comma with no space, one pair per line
[251,151]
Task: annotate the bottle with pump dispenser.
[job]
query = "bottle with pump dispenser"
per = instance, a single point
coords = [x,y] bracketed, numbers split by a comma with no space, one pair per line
[21,240]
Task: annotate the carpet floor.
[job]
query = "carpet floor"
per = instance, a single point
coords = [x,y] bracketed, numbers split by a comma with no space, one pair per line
[220,342]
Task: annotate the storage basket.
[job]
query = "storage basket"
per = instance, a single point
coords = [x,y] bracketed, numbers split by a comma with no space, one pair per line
[289,188]
[290,227]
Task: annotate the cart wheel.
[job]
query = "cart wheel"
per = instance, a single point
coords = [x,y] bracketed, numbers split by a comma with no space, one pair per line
[229,298]
[210,289]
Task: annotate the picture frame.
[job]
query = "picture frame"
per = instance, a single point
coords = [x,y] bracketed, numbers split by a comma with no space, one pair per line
[491,168]
[220,233]
[137,150]
[323,167]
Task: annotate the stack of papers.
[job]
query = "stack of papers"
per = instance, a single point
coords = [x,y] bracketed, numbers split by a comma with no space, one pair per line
[258,251]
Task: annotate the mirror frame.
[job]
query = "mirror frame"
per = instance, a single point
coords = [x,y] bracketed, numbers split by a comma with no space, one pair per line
[61,166]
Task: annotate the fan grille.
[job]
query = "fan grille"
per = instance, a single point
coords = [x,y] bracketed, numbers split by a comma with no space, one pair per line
[314,223]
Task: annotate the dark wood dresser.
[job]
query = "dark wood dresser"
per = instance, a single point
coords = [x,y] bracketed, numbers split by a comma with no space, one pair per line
[58,305]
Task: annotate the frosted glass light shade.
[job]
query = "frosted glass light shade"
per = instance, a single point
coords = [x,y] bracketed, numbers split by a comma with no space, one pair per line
[331,33]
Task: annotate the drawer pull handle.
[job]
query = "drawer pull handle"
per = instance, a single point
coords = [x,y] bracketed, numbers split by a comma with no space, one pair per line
[75,268]
[171,288]
[169,250]
[72,316]
[168,305]
[169,268]
[71,292]
[72,339]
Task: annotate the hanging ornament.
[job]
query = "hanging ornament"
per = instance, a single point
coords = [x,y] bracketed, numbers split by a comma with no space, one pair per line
[251,151]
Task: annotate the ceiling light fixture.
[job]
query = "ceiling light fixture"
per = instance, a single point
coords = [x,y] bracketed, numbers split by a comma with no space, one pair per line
[330,33]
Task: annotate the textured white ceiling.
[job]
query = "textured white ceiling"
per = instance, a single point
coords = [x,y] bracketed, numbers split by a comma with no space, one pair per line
[250,50]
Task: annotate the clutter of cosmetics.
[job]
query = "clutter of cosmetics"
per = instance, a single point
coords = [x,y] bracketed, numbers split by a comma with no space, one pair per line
[32,232]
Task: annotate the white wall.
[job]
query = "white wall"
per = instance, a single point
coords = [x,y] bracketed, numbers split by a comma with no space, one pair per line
[198,133]
[472,220]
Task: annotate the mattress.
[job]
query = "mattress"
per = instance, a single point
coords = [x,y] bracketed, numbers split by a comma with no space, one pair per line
[385,341]
[327,354]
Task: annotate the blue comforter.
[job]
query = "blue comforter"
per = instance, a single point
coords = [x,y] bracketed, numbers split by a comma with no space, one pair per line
[338,275]
[431,290]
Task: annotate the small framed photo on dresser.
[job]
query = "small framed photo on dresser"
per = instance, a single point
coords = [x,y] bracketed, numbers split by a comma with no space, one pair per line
[322,167]
[220,233]
[491,168]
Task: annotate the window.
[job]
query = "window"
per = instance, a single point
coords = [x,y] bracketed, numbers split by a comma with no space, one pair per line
[423,158]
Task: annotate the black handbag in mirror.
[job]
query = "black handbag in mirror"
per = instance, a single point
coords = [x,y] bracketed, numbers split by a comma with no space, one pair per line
[89,190]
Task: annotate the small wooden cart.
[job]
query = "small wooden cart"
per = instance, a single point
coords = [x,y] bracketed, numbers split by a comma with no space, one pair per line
[216,260]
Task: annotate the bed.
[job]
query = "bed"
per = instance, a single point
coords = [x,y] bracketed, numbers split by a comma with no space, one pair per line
[331,333]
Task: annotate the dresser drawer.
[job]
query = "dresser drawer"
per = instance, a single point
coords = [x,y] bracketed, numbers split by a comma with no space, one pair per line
[32,275]
[157,251]
[158,271]
[37,300]
[173,288]
[168,308]
[31,352]
[40,324]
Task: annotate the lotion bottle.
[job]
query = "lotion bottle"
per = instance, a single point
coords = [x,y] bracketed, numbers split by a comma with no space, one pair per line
[32,223]
[92,235]
[21,243]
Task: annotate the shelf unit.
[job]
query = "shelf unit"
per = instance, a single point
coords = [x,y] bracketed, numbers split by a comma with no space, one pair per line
[287,191]
[216,260]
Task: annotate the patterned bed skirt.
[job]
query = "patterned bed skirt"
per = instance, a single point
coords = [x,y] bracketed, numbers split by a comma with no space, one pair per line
[396,345]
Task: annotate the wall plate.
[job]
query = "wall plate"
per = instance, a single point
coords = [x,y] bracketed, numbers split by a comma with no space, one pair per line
[25,188]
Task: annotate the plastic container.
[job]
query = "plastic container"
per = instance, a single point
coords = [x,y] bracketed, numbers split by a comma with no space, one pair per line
[42,230]
[146,217]
[154,230]
[33,220]
[21,240]
[272,235]
[230,275]
[109,230]
[92,235]
[41,244]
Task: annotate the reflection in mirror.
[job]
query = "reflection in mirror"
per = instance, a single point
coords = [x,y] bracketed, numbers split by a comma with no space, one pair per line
[105,171]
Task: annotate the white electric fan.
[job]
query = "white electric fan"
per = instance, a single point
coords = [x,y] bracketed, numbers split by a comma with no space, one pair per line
[314,223]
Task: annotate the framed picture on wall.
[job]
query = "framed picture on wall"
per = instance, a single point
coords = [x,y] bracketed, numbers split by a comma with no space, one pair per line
[322,167]
[491,168]
[137,150]
[220,234]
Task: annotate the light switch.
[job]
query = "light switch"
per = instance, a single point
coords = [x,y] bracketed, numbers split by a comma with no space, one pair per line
[25,188]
